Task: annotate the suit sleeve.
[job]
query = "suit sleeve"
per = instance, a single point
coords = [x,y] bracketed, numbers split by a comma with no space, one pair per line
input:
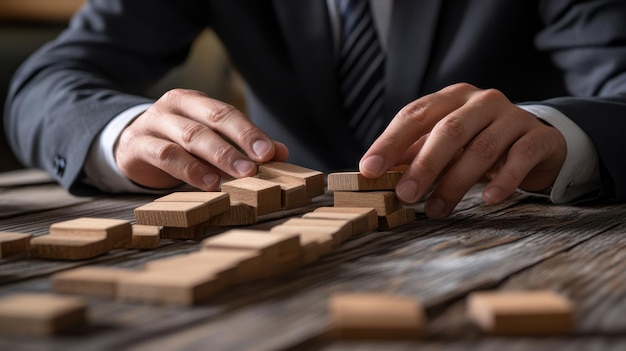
[587,40]
[65,93]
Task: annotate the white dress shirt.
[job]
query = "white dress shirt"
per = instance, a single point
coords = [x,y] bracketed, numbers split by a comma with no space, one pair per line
[579,175]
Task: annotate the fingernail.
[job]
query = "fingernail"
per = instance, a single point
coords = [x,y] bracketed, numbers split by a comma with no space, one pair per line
[210,180]
[435,208]
[492,194]
[244,167]
[373,164]
[407,191]
[261,148]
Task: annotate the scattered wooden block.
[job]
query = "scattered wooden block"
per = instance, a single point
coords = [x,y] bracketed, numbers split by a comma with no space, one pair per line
[118,232]
[343,227]
[223,271]
[363,219]
[401,217]
[12,244]
[385,202]
[375,316]
[217,201]
[68,247]
[335,235]
[145,237]
[177,287]
[292,192]
[238,214]
[172,214]
[247,263]
[270,246]
[521,313]
[355,181]
[195,232]
[41,314]
[259,193]
[323,237]
[91,281]
[313,180]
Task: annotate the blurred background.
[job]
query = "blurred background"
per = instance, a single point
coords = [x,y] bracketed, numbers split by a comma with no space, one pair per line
[25,25]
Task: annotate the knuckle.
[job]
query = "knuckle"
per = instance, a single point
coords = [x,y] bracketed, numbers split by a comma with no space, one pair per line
[220,112]
[413,112]
[191,132]
[485,148]
[223,154]
[165,153]
[426,166]
[489,95]
[452,128]
[461,87]
[528,149]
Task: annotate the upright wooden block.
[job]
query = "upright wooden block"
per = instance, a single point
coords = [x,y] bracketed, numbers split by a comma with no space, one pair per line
[292,192]
[145,237]
[41,314]
[172,214]
[217,201]
[521,313]
[91,281]
[385,202]
[355,181]
[262,194]
[312,179]
[362,221]
[238,214]
[375,316]
[68,247]
[118,232]
[12,244]
[177,287]
[395,219]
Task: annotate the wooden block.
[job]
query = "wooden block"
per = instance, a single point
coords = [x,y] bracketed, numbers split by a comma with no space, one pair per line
[292,192]
[248,264]
[401,217]
[313,180]
[259,193]
[355,181]
[324,240]
[343,227]
[336,236]
[385,202]
[12,244]
[521,313]
[118,232]
[223,271]
[145,237]
[363,219]
[375,316]
[172,214]
[195,232]
[91,281]
[369,212]
[177,287]
[68,247]
[270,246]
[217,201]
[41,314]
[238,214]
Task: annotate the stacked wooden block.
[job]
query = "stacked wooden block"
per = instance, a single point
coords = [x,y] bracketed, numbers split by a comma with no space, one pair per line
[352,189]
[278,186]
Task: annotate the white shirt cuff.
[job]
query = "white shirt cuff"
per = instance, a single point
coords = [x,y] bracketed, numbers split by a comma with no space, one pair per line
[580,174]
[100,167]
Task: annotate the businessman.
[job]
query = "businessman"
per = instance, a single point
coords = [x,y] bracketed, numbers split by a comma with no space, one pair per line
[525,94]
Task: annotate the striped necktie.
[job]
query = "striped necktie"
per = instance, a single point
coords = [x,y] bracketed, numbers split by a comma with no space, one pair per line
[361,70]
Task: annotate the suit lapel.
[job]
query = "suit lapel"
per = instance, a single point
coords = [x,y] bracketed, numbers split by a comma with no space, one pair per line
[413,26]
[307,32]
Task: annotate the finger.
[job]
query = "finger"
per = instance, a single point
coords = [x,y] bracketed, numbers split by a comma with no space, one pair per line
[409,125]
[282,152]
[477,158]
[202,142]
[223,118]
[524,156]
[177,162]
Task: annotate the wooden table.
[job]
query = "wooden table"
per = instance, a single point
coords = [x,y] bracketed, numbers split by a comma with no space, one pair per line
[522,244]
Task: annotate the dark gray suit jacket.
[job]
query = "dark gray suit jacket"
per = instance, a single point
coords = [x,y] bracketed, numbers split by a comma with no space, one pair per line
[567,54]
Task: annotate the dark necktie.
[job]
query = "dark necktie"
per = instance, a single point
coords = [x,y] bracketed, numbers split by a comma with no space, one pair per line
[361,70]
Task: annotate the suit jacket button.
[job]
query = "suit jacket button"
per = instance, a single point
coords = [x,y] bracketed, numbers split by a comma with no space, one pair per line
[59,165]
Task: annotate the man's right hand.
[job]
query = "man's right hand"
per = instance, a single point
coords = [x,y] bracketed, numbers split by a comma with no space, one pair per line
[188,137]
